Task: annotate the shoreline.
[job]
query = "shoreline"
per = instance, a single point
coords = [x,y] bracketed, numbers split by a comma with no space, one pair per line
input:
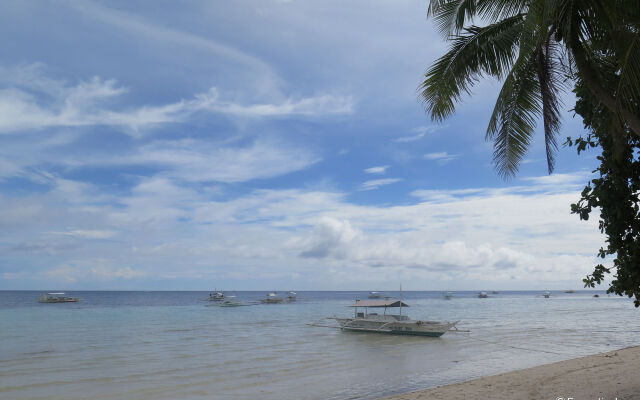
[604,376]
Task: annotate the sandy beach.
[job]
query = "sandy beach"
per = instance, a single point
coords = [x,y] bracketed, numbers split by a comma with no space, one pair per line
[604,376]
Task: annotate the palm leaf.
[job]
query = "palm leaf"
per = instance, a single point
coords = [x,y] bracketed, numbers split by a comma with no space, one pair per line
[450,16]
[513,121]
[628,91]
[487,50]
[548,81]
[495,10]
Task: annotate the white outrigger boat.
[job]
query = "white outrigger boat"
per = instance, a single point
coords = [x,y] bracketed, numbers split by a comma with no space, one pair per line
[390,323]
[291,296]
[272,298]
[216,296]
[56,298]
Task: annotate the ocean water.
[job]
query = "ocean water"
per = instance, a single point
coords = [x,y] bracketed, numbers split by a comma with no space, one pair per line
[175,345]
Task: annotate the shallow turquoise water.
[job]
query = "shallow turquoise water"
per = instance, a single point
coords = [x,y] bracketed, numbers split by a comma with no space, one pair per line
[173,345]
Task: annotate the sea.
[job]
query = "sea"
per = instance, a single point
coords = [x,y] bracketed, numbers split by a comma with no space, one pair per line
[177,345]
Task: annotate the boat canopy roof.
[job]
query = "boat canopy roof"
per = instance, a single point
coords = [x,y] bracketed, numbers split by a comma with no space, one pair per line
[379,303]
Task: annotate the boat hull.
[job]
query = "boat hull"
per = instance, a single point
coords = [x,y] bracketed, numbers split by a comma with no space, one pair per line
[59,301]
[413,328]
[271,301]
[394,332]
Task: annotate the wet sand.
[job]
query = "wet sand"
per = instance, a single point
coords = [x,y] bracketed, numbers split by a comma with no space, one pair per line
[604,376]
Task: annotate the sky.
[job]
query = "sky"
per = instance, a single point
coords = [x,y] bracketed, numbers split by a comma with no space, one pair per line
[263,145]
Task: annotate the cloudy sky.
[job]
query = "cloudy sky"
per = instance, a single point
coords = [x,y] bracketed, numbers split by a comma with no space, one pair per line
[262,145]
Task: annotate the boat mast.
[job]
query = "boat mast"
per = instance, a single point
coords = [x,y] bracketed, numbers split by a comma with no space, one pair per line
[401,299]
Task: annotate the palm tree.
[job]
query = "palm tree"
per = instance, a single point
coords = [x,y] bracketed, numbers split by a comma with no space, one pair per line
[534,46]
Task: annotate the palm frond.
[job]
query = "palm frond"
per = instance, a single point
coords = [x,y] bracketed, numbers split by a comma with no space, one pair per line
[513,121]
[549,86]
[495,10]
[451,15]
[628,91]
[487,50]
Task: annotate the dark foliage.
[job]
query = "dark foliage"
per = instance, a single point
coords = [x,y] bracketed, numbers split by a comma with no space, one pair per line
[614,193]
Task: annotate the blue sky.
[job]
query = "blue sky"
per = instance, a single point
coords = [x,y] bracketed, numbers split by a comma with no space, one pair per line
[262,145]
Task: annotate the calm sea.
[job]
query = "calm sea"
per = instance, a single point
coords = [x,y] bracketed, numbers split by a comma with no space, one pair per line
[175,345]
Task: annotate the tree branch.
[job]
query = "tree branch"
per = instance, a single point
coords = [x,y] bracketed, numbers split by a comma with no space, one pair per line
[589,77]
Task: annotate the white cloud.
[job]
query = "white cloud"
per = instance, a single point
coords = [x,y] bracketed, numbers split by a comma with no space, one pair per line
[560,180]
[88,104]
[87,233]
[468,237]
[106,273]
[547,184]
[8,168]
[330,237]
[91,270]
[419,133]
[310,106]
[180,223]
[376,183]
[161,34]
[194,160]
[441,157]
[13,275]
[377,170]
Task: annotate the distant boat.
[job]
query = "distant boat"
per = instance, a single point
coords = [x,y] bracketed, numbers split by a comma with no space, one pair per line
[494,292]
[570,291]
[375,295]
[216,296]
[272,298]
[596,295]
[546,294]
[390,323]
[56,298]
[291,296]
[448,295]
[230,301]
[483,295]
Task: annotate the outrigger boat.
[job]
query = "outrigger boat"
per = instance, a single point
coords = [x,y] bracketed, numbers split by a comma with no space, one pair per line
[272,298]
[230,301]
[56,298]
[216,296]
[291,296]
[390,323]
